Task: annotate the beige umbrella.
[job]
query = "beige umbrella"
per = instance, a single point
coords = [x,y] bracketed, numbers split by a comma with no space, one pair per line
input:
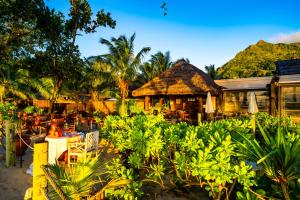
[253,109]
[252,104]
[209,106]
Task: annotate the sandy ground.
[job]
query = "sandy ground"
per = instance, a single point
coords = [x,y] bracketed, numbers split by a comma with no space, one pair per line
[13,180]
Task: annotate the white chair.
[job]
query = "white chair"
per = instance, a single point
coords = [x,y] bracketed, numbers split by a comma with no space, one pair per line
[82,149]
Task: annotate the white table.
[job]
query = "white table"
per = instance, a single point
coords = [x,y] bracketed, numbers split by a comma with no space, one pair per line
[57,145]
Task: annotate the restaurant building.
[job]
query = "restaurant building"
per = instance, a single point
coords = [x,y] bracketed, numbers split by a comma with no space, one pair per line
[185,87]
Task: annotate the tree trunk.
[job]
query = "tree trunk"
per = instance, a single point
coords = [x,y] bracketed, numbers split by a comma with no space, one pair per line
[123,110]
[285,191]
[56,90]
[94,95]
[123,86]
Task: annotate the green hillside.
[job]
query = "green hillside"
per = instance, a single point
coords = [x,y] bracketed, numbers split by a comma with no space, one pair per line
[258,60]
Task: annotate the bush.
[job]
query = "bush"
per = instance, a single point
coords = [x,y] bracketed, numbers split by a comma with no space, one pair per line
[186,155]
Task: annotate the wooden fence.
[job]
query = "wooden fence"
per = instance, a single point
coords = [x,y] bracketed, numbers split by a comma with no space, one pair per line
[105,106]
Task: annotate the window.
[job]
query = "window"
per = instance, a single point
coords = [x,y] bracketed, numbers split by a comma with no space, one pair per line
[238,101]
[290,102]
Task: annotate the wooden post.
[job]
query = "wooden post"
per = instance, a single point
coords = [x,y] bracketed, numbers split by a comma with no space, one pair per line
[161,101]
[39,181]
[272,97]
[10,145]
[172,103]
[200,109]
[147,103]
[200,105]
[184,103]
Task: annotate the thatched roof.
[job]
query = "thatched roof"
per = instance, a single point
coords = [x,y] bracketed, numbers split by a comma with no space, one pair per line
[182,79]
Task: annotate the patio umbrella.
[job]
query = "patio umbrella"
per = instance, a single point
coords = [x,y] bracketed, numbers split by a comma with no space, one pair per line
[252,104]
[208,106]
[253,109]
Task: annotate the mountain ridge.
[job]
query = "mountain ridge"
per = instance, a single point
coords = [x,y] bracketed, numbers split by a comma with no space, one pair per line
[258,60]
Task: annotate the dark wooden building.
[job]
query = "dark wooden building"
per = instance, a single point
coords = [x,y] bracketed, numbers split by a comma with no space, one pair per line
[286,89]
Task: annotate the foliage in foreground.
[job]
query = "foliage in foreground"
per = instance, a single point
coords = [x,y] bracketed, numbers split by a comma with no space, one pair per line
[172,155]
[220,157]
[93,176]
[277,154]
[224,158]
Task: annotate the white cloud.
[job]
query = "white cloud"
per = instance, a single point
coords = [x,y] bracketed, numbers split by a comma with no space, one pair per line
[286,38]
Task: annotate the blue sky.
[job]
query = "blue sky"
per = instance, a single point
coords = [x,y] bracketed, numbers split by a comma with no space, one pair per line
[204,31]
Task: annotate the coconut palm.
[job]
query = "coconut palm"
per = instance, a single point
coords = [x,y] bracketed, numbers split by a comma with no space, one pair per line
[124,63]
[19,83]
[277,155]
[158,63]
[97,78]
[211,71]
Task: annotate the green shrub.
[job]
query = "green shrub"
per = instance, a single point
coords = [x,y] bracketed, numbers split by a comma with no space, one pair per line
[187,155]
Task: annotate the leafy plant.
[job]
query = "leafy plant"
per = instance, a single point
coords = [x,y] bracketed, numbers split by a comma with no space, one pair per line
[8,111]
[92,176]
[33,109]
[205,157]
[276,154]
[117,171]
[98,115]
[190,155]
[78,181]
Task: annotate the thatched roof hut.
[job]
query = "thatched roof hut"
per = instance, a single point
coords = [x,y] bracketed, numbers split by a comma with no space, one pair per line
[182,79]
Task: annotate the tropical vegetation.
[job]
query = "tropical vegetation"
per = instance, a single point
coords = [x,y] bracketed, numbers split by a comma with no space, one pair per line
[258,60]
[157,64]
[211,71]
[222,157]
[225,159]
[124,63]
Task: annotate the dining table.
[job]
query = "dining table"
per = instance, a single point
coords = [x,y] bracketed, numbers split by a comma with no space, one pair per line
[58,145]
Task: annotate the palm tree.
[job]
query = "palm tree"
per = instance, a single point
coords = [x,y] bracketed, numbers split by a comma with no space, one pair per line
[211,71]
[80,180]
[162,61]
[124,63]
[158,63]
[97,78]
[19,83]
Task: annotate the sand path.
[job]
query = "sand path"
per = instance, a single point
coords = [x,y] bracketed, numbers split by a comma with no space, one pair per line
[13,180]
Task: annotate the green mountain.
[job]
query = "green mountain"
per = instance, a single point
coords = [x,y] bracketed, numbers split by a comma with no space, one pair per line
[258,60]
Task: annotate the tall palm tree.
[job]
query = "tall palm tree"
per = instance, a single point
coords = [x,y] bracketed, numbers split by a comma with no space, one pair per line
[124,63]
[211,71]
[158,63]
